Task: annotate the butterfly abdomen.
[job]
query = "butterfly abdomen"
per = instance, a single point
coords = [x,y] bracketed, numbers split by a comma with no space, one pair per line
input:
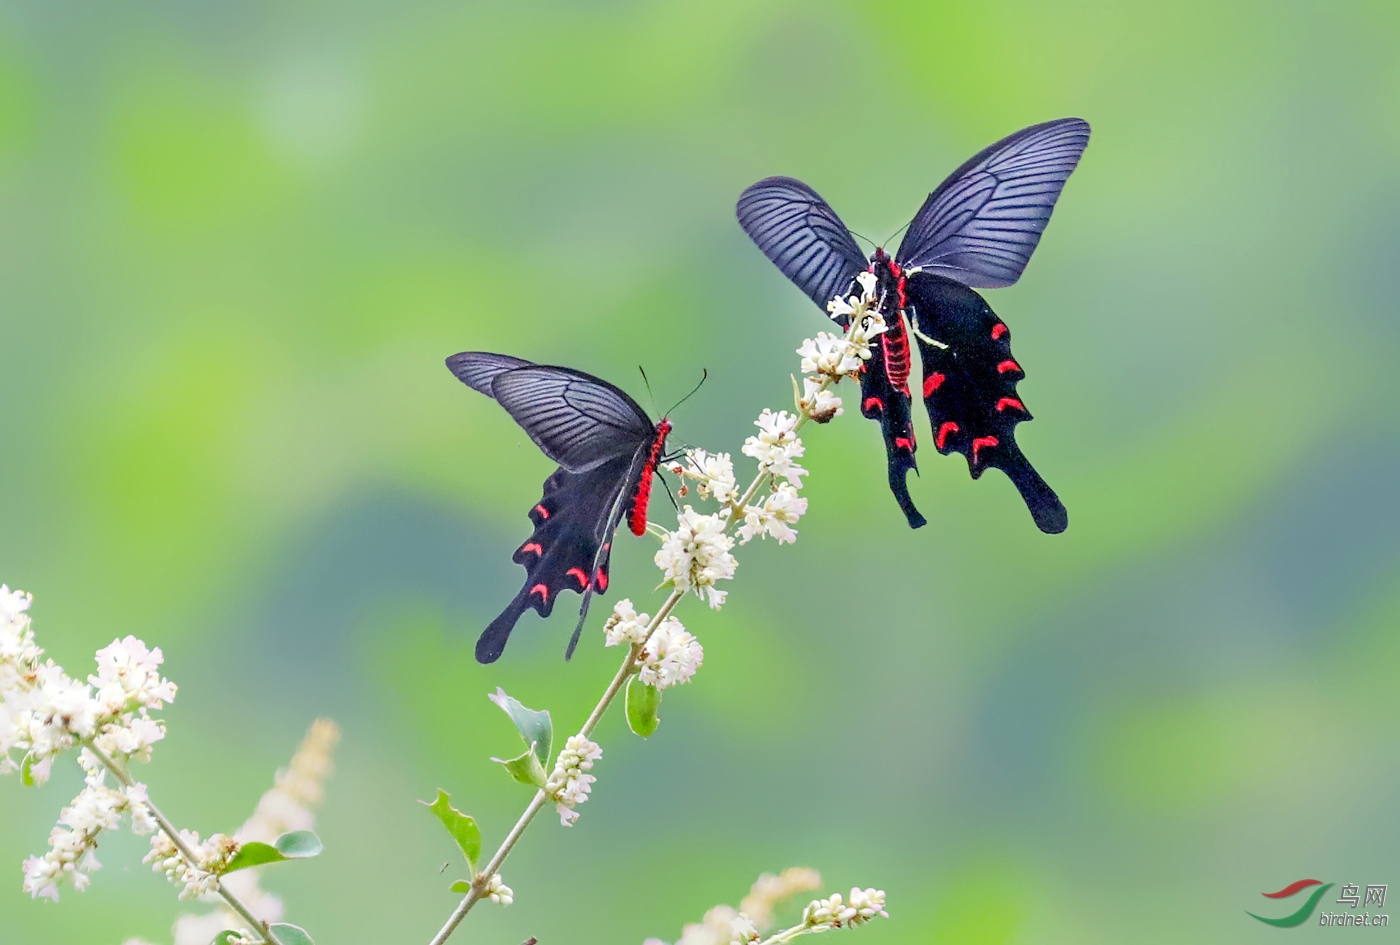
[896,354]
[639,507]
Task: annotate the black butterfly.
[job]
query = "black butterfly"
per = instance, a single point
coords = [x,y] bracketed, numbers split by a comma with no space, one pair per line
[979,229]
[607,449]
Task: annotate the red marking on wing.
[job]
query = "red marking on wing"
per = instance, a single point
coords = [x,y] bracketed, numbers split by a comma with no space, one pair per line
[1008,365]
[873,400]
[998,330]
[932,383]
[544,512]
[1292,888]
[600,580]
[541,590]
[943,432]
[579,575]
[903,443]
[1011,402]
[982,442]
[639,507]
[531,546]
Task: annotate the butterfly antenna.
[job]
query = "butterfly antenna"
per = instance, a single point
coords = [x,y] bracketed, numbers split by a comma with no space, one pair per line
[704,376]
[889,238]
[647,382]
[861,237]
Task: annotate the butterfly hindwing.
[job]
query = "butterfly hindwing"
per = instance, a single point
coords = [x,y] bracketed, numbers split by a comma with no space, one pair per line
[802,235]
[981,225]
[969,388]
[569,547]
[884,396]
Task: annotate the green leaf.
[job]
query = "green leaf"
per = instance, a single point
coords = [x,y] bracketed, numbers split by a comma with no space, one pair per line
[535,727]
[289,934]
[26,770]
[643,702]
[525,768]
[462,827]
[297,845]
[223,937]
[462,886]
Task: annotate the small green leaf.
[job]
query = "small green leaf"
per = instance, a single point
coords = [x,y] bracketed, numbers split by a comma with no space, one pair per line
[26,770]
[643,701]
[253,853]
[223,937]
[462,827]
[289,934]
[535,727]
[298,845]
[525,768]
[461,886]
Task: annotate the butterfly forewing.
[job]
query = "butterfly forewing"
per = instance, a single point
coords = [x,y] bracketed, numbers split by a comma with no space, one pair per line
[802,235]
[577,420]
[981,225]
[477,369]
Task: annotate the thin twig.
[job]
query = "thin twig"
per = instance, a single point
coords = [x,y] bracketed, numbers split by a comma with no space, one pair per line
[257,926]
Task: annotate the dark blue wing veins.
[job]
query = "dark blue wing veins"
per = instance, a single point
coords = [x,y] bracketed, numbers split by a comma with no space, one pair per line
[970,389]
[800,233]
[982,223]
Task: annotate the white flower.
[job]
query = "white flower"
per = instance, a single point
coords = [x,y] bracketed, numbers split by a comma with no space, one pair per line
[498,892]
[776,516]
[625,625]
[696,555]
[777,446]
[569,783]
[715,472]
[742,931]
[830,354]
[128,676]
[671,657]
[200,877]
[818,402]
[842,308]
[867,903]
[769,890]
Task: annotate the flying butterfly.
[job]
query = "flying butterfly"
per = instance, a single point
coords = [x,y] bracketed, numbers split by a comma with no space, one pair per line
[607,449]
[977,230]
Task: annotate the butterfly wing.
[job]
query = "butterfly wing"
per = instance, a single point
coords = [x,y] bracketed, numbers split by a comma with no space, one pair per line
[982,224]
[970,389]
[477,369]
[802,235]
[884,396]
[569,547]
[576,419]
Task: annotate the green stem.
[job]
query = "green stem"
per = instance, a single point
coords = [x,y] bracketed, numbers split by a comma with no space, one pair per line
[255,925]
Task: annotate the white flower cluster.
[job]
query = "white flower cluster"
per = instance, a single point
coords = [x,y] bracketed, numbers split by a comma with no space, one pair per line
[777,446]
[769,890]
[714,473]
[846,309]
[568,785]
[72,841]
[625,625]
[696,555]
[197,878]
[818,402]
[44,712]
[671,656]
[722,925]
[498,892]
[776,516]
[835,913]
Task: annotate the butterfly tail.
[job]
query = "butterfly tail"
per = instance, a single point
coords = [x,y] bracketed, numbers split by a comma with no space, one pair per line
[1045,506]
[900,463]
[492,641]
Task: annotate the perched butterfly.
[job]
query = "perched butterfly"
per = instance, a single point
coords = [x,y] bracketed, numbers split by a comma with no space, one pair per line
[978,229]
[607,449]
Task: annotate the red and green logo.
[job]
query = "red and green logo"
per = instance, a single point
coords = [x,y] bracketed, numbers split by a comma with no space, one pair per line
[1305,911]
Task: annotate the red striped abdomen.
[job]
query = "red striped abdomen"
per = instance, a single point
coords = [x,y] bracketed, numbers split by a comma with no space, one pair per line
[639,507]
[896,352]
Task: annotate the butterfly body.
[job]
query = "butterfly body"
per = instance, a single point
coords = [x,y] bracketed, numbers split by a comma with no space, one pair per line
[976,229]
[607,449]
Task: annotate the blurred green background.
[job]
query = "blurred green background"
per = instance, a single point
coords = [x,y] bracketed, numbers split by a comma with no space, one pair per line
[238,239]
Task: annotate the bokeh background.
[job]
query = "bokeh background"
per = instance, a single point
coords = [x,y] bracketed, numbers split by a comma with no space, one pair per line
[238,239]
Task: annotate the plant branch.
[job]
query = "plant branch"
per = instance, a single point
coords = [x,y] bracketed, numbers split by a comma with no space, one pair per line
[256,925]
